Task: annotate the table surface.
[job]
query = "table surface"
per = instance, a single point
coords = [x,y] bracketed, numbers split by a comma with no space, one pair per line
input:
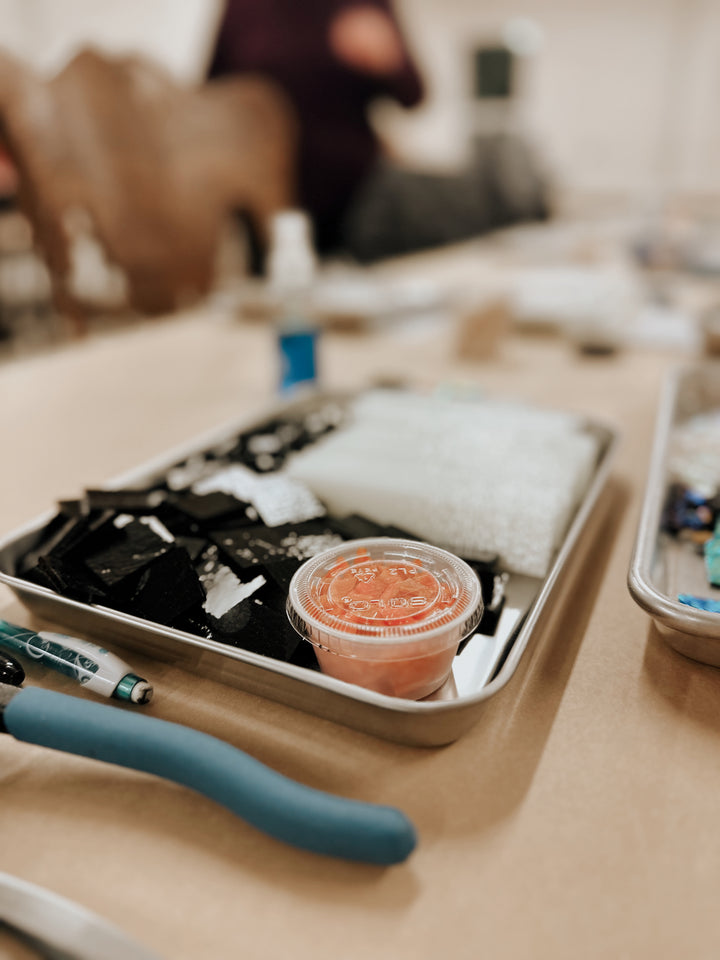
[578,818]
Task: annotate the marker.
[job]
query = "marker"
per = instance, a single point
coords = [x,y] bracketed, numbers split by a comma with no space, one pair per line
[11,671]
[92,666]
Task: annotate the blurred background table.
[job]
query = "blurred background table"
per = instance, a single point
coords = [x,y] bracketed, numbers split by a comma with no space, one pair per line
[578,818]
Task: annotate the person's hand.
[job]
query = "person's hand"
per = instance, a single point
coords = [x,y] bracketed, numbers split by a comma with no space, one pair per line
[367,40]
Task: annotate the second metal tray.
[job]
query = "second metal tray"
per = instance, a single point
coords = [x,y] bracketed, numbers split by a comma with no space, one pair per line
[482,669]
[661,566]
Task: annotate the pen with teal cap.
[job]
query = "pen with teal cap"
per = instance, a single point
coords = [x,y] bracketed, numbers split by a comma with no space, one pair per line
[91,665]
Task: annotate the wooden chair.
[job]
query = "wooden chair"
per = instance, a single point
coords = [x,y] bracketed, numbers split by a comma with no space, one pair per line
[114,150]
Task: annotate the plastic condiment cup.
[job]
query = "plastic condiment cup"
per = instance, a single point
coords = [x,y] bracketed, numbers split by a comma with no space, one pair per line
[387,614]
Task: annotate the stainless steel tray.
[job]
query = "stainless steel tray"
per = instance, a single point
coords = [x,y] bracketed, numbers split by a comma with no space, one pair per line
[661,566]
[484,666]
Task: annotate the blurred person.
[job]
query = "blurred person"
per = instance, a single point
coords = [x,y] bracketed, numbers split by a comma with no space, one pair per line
[333,58]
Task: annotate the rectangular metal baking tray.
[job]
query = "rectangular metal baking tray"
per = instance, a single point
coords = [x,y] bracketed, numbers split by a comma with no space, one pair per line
[483,668]
[661,566]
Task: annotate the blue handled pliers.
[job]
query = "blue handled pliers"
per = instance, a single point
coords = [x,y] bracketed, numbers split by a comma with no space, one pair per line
[283,808]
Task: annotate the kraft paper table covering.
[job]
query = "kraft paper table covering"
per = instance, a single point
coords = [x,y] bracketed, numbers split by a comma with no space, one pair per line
[579,818]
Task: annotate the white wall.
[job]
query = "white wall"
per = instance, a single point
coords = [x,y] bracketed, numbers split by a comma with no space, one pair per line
[46,33]
[623,98]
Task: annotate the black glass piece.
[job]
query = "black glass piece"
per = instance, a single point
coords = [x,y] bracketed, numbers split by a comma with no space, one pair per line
[247,546]
[227,593]
[356,527]
[193,621]
[54,563]
[40,577]
[167,587]
[277,580]
[209,507]
[208,561]
[232,521]
[179,524]
[230,625]
[62,536]
[47,536]
[491,614]
[266,449]
[126,501]
[304,656]
[264,631]
[486,568]
[194,546]
[68,577]
[281,572]
[72,508]
[131,548]
[398,532]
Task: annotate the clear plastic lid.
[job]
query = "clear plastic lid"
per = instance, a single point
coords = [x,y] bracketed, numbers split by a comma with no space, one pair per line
[381,591]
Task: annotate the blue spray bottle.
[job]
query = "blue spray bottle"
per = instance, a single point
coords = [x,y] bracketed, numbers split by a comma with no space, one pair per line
[291,270]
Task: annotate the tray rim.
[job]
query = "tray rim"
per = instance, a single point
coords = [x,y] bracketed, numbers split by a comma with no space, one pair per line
[163,461]
[669,614]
